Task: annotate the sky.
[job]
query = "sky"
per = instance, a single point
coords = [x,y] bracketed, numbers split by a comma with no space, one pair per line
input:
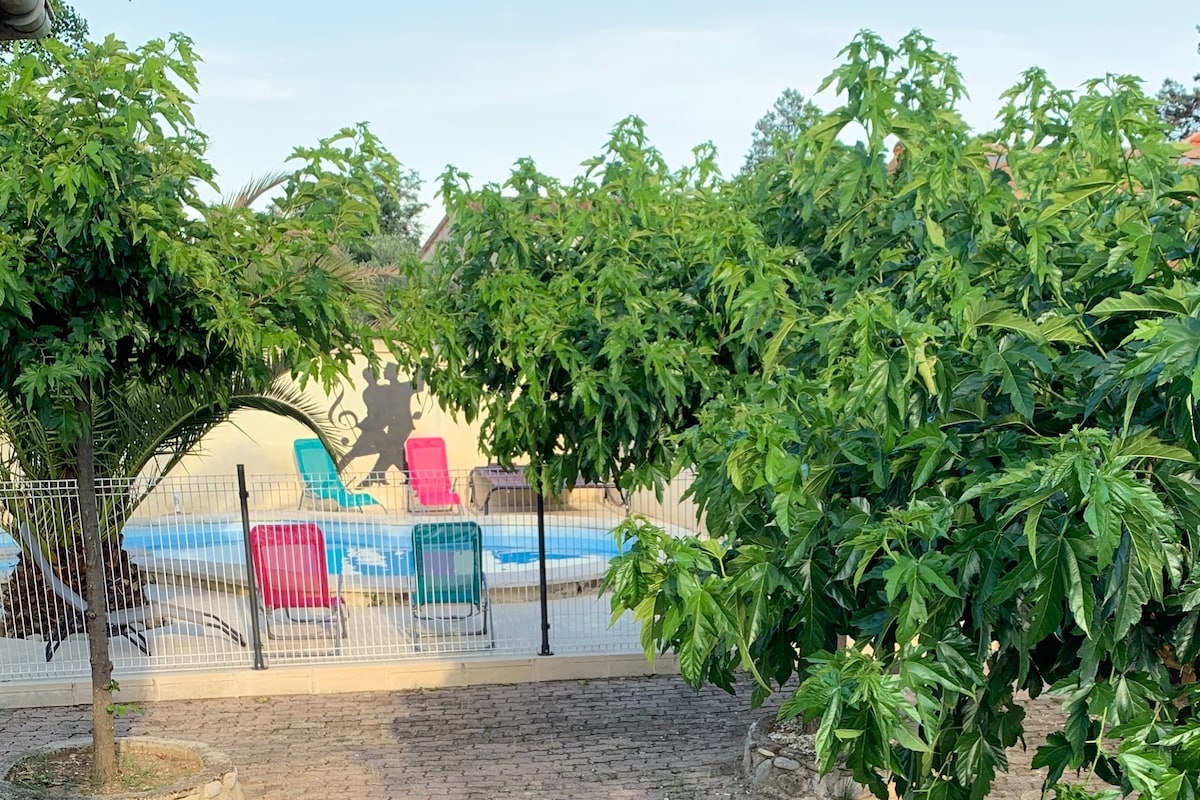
[480,84]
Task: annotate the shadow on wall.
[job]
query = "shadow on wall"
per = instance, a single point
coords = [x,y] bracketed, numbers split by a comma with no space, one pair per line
[386,424]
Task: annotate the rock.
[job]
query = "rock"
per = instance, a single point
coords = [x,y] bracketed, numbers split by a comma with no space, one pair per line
[762,774]
[765,752]
[839,787]
[748,762]
[795,785]
[783,762]
[229,779]
[213,789]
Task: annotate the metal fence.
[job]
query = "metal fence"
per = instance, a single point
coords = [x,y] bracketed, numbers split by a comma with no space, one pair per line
[355,569]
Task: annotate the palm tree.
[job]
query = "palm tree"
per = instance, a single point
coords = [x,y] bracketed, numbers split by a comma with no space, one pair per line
[140,435]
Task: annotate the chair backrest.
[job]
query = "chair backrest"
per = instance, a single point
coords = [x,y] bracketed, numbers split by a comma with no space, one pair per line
[317,471]
[34,548]
[448,563]
[428,474]
[289,563]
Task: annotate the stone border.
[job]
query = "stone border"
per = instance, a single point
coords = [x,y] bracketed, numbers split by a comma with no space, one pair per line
[780,772]
[217,778]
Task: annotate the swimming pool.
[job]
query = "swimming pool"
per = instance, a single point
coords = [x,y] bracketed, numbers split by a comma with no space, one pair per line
[368,549]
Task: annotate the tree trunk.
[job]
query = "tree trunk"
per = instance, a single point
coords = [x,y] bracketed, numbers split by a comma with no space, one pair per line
[104,741]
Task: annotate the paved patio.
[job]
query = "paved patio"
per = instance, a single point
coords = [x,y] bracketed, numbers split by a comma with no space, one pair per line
[627,739]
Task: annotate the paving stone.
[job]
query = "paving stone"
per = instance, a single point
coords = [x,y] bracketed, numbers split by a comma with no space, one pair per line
[627,739]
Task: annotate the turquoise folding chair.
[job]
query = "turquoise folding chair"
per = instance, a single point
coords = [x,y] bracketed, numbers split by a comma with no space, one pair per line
[321,480]
[450,584]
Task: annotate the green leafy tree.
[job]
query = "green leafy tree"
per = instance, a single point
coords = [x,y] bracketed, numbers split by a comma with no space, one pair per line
[774,132]
[399,208]
[941,404]
[114,273]
[1179,106]
[382,254]
[67,26]
[562,315]
[399,235]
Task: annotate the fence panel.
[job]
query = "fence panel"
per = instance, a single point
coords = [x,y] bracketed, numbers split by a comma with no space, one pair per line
[352,569]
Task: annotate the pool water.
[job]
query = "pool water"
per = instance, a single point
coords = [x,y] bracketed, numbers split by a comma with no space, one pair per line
[358,547]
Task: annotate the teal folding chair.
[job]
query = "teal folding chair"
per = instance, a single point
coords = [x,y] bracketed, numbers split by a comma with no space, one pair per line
[321,480]
[448,572]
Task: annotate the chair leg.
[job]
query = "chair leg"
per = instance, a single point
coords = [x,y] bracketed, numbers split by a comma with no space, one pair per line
[56,639]
[138,637]
[489,626]
[201,619]
[223,626]
[267,618]
[339,625]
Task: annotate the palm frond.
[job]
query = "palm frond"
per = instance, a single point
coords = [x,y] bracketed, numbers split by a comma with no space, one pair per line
[176,426]
[255,188]
[29,450]
[359,279]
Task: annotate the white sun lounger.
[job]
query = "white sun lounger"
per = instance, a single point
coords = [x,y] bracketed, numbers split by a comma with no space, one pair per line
[132,623]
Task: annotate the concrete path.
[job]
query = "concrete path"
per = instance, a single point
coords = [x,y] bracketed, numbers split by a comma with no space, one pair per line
[625,739]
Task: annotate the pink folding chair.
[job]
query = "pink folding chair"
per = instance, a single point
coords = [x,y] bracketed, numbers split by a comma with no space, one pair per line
[429,484]
[293,578]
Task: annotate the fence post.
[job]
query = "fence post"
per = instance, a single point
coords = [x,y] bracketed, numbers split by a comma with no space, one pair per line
[251,582]
[541,525]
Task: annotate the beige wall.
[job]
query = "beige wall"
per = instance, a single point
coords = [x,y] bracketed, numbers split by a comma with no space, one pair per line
[263,443]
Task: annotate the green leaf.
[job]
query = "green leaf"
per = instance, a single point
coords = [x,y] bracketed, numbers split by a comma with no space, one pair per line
[1146,445]
[1075,192]
[1151,301]
[1015,382]
[934,231]
[1080,597]
[1057,754]
[1144,770]
[994,315]
[907,739]
[1127,591]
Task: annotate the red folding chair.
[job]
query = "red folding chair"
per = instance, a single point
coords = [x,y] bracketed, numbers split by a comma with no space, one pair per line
[293,578]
